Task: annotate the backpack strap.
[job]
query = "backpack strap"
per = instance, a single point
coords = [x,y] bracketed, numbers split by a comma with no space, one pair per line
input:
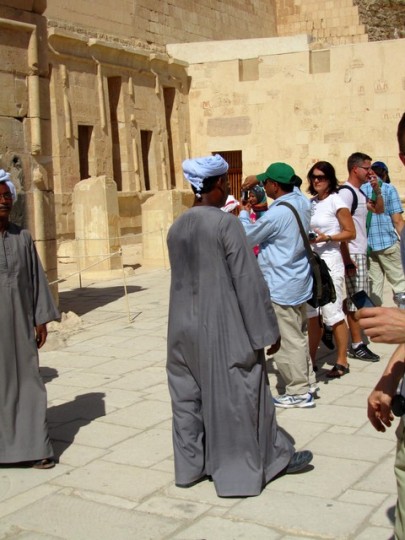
[355,200]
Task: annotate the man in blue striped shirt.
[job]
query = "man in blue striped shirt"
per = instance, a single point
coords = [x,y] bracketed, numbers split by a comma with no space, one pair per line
[384,256]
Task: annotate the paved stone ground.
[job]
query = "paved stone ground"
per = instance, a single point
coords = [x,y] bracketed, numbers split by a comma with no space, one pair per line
[110,420]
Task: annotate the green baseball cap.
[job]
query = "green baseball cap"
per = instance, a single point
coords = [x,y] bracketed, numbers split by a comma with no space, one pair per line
[278,172]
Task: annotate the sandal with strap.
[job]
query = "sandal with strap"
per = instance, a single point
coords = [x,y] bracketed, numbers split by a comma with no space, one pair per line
[47,463]
[338,371]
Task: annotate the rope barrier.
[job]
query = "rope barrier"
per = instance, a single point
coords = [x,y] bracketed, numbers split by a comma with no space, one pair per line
[95,264]
[105,257]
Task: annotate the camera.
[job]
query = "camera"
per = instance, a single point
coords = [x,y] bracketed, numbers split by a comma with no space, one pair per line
[244,195]
[398,405]
[312,235]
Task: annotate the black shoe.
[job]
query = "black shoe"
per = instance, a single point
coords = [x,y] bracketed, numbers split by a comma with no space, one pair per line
[299,461]
[362,352]
[327,337]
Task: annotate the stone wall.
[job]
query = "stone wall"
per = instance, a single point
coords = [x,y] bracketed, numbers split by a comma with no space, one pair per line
[117,110]
[25,142]
[301,106]
[160,22]
[328,22]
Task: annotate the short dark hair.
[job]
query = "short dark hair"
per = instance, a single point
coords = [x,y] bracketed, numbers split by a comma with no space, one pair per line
[355,159]
[287,188]
[401,134]
[381,173]
[208,184]
[296,180]
[329,171]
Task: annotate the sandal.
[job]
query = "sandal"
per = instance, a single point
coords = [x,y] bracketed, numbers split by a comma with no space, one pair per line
[338,371]
[47,463]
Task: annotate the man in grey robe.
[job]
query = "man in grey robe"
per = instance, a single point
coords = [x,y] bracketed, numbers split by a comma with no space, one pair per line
[220,320]
[26,307]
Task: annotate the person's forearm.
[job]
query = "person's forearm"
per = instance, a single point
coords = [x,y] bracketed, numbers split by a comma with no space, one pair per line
[344,250]
[249,182]
[379,205]
[398,223]
[393,372]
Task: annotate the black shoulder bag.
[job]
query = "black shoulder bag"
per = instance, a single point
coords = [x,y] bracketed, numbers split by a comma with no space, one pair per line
[323,289]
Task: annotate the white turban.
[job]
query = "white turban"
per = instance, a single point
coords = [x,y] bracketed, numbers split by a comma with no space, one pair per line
[198,169]
[6,179]
[231,204]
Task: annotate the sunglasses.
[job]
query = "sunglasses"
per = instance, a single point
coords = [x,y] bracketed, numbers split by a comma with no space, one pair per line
[318,177]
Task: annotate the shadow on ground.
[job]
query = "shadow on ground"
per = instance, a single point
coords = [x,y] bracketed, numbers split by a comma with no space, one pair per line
[391,515]
[86,299]
[67,419]
[48,374]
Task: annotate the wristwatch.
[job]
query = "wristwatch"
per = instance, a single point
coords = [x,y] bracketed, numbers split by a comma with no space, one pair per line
[328,238]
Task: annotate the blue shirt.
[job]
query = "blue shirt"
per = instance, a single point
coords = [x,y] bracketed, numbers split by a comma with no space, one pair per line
[382,233]
[282,258]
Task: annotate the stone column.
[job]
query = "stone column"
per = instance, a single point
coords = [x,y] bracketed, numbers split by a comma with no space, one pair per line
[158,214]
[95,203]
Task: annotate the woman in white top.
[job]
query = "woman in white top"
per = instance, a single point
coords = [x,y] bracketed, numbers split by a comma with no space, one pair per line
[332,222]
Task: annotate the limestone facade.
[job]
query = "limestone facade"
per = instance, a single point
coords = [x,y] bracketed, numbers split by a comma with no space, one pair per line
[119,111]
[332,22]
[158,22]
[299,106]
[127,90]
[25,142]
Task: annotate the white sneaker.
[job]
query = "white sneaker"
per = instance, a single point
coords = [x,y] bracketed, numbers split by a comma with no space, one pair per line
[314,388]
[288,402]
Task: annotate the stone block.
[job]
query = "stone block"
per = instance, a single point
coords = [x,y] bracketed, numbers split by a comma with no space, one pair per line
[14,95]
[249,69]
[228,127]
[319,61]
[97,223]
[158,213]
[12,139]
[36,6]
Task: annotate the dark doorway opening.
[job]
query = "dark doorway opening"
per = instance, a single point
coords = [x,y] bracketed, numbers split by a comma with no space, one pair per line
[146,140]
[114,92]
[84,133]
[169,95]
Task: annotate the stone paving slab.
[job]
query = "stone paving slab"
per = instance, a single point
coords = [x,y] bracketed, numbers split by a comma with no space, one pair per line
[129,482]
[302,514]
[110,420]
[226,529]
[146,449]
[75,517]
